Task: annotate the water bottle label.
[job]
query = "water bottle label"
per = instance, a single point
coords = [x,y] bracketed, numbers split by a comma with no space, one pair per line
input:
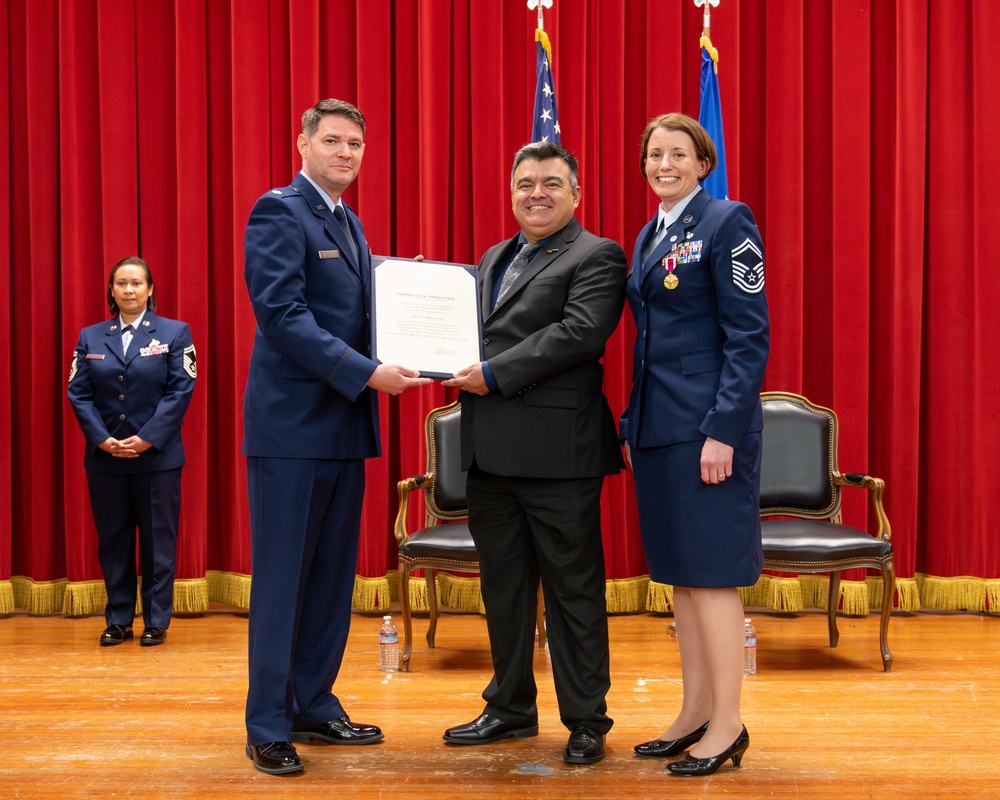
[388,638]
[751,641]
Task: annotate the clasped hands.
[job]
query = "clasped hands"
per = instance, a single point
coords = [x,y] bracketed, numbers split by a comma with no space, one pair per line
[125,448]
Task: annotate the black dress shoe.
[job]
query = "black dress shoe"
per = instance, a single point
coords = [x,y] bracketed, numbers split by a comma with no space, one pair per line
[664,748]
[274,758]
[585,746]
[485,729]
[689,765]
[115,634]
[338,731]
[152,636]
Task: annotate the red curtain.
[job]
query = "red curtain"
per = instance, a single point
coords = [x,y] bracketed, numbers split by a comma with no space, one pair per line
[861,135]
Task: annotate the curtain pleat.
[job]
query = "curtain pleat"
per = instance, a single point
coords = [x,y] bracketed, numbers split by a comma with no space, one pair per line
[860,134]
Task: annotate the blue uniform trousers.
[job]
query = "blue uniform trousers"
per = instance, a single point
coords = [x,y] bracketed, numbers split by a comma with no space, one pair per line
[121,503]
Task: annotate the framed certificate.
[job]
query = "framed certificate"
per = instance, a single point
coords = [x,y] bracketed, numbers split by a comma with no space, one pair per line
[425,315]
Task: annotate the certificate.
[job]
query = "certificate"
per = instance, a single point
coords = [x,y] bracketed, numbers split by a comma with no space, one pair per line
[425,315]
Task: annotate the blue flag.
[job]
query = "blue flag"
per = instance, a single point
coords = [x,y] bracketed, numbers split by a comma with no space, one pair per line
[710,117]
[545,122]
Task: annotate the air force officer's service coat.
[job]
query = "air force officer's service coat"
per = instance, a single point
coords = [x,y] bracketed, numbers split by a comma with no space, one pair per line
[704,344]
[311,353]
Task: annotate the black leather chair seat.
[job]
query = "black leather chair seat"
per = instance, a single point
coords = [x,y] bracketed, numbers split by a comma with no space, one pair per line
[451,542]
[813,542]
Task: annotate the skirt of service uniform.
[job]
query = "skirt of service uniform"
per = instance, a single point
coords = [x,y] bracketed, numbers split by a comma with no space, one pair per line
[694,533]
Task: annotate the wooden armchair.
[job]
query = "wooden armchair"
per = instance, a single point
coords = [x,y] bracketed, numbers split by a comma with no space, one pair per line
[444,543]
[799,478]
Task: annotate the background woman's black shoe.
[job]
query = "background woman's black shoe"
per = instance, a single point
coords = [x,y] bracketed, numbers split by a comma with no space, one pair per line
[664,748]
[115,634]
[152,636]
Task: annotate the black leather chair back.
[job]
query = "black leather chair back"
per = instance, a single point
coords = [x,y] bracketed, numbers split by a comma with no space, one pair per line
[798,460]
[444,446]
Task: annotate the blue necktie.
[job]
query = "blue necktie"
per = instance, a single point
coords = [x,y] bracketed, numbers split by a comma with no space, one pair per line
[341,215]
[655,239]
[516,268]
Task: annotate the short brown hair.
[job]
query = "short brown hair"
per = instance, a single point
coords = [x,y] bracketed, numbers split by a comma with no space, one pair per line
[336,108]
[704,148]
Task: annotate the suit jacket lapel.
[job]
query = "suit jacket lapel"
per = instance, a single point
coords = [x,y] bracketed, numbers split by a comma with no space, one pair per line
[557,244]
[501,255]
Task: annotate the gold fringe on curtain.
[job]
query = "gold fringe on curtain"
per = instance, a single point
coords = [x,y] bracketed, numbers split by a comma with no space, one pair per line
[783,594]
[960,593]
[626,595]
[815,590]
[907,594]
[373,594]
[7,605]
[83,598]
[462,594]
[191,595]
[418,594]
[39,597]
[993,596]
[854,598]
[660,598]
[231,588]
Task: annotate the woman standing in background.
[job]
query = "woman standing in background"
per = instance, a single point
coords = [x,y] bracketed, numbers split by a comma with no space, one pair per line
[130,384]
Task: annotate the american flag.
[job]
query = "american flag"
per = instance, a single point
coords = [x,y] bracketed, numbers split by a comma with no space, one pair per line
[545,122]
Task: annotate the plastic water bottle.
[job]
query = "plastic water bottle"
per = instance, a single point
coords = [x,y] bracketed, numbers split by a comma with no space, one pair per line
[388,645]
[749,648]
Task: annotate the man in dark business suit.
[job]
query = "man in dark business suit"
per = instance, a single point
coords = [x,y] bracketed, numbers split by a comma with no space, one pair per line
[538,439]
[310,419]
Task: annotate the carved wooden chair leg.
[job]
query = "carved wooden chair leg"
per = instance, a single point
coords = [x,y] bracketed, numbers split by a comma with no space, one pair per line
[432,604]
[888,590]
[404,610]
[831,607]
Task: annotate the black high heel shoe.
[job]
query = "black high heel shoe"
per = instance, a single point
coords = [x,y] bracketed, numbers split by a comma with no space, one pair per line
[664,748]
[689,765]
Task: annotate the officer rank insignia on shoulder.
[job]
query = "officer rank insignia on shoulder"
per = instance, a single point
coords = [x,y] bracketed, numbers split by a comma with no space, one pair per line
[190,364]
[748,267]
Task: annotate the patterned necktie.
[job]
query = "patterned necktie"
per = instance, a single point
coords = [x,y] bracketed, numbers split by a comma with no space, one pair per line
[655,239]
[126,338]
[341,215]
[516,268]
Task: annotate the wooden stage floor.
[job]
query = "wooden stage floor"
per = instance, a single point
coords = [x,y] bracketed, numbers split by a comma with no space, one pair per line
[81,721]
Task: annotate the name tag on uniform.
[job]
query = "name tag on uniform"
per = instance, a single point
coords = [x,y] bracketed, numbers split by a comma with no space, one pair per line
[329,254]
[95,356]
